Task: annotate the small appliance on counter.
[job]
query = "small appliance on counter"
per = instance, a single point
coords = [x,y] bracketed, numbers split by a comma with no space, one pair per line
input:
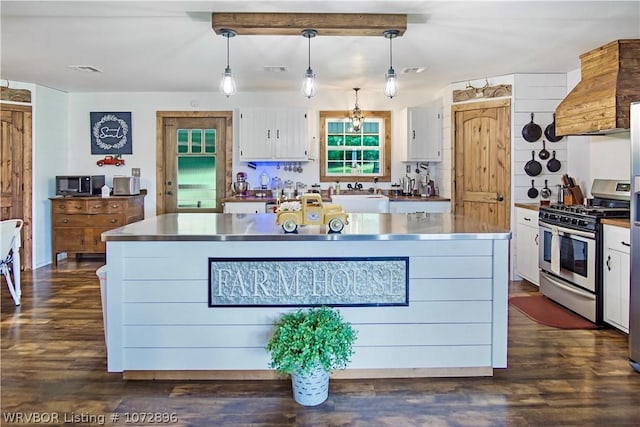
[126,185]
[241,186]
[79,185]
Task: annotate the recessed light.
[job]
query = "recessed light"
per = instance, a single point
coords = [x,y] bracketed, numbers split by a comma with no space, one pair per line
[85,68]
[275,68]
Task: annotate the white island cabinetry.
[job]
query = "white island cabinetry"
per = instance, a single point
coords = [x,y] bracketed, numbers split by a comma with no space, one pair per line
[273,134]
[616,279]
[527,241]
[165,318]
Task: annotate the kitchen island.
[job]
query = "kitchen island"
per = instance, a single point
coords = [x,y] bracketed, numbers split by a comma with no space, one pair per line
[164,318]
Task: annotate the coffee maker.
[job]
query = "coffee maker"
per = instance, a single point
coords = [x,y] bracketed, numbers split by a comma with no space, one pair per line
[240,186]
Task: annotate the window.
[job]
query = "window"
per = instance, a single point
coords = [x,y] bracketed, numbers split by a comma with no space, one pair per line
[196,168]
[346,155]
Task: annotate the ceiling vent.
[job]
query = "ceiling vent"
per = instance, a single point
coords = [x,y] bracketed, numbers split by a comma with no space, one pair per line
[275,69]
[413,70]
[599,104]
[85,68]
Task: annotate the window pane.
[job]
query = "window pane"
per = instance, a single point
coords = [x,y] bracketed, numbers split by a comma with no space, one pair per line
[371,140]
[209,140]
[338,168]
[335,140]
[196,140]
[335,127]
[335,155]
[196,182]
[371,127]
[353,140]
[370,167]
[371,155]
[183,140]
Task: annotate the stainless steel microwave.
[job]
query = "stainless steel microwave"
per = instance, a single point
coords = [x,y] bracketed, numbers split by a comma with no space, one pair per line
[79,185]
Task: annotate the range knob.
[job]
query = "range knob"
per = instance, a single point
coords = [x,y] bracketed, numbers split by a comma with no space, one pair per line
[582,222]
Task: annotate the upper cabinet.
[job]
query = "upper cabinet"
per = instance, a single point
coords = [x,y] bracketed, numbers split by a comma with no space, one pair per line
[423,133]
[268,134]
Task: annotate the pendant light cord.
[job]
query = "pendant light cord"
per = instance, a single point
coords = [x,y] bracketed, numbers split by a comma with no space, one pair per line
[309,50]
[227,36]
[390,52]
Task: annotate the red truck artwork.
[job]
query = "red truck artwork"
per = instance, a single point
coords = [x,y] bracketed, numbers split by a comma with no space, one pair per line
[111,160]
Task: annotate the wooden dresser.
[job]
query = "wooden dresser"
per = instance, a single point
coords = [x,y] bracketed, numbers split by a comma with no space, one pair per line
[78,222]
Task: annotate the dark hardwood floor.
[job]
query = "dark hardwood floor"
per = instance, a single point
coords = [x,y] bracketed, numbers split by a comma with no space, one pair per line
[54,373]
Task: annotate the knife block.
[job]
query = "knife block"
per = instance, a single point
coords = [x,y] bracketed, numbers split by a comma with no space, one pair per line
[573,195]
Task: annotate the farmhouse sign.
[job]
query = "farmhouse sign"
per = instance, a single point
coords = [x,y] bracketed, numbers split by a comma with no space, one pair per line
[370,281]
[111,133]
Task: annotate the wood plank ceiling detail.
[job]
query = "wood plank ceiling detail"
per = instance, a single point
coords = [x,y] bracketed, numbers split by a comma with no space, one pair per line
[292,24]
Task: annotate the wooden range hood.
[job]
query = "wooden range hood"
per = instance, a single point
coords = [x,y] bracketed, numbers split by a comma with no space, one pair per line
[599,104]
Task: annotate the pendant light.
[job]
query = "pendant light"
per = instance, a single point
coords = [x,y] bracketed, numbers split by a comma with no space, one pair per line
[391,83]
[356,117]
[309,86]
[228,82]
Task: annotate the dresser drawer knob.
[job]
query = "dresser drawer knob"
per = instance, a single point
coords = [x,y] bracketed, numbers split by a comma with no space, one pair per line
[65,221]
[113,221]
[115,206]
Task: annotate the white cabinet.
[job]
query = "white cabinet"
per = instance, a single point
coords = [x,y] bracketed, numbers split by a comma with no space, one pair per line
[244,207]
[273,134]
[423,133]
[527,240]
[616,277]
[416,206]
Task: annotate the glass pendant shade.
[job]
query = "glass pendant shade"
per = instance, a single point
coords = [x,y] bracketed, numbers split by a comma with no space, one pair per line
[391,88]
[228,82]
[309,87]
[309,84]
[391,84]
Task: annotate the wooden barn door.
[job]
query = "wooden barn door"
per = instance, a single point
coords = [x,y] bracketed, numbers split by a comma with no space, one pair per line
[15,172]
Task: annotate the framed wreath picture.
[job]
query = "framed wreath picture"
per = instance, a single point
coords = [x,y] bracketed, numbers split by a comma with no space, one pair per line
[111,133]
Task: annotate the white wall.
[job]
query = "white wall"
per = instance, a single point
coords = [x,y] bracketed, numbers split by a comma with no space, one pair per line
[143,107]
[50,150]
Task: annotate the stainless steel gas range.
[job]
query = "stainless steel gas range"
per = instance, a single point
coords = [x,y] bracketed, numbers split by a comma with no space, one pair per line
[571,247]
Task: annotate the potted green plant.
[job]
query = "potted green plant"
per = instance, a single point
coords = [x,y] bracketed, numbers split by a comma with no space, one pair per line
[309,344]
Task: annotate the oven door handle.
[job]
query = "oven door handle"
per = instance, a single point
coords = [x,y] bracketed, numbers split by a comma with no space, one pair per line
[562,231]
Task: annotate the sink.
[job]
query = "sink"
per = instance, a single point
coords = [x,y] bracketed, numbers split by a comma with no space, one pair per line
[362,203]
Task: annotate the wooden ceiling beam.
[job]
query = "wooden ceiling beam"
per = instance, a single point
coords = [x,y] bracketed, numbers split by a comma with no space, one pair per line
[292,24]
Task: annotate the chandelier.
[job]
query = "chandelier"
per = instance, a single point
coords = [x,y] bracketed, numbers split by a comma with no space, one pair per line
[356,116]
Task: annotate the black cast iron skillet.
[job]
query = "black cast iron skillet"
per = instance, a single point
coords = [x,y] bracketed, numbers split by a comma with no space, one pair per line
[554,164]
[531,132]
[543,154]
[550,131]
[533,191]
[533,167]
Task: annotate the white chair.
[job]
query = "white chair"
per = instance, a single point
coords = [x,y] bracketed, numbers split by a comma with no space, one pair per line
[10,254]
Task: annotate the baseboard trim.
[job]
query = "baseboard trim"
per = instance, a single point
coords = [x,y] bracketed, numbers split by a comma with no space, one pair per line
[339,374]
